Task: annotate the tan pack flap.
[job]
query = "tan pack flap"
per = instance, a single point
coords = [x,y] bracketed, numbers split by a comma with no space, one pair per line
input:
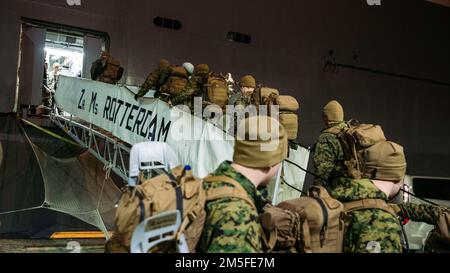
[307,205]
[288,103]
[266,92]
[369,134]
[322,193]
[179,71]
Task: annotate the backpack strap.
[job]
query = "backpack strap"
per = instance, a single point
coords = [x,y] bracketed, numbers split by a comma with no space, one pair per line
[369,204]
[306,237]
[237,191]
[269,241]
[333,130]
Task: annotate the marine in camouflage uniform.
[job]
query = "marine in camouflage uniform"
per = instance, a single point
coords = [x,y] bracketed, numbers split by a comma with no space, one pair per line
[232,225]
[368,230]
[155,79]
[194,87]
[375,230]
[419,212]
[328,155]
[247,95]
[246,98]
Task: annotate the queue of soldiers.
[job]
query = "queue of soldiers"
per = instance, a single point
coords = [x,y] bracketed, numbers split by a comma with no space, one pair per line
[228,212]
[181,84]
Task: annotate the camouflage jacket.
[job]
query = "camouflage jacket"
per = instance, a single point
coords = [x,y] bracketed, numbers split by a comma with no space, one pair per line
[419,213]
[240,99]
[155,80]
[328,156]
[194,88]
[368,230]
[232,225]
[429,214]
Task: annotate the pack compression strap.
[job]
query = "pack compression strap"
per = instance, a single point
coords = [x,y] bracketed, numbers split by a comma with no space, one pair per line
[178,192]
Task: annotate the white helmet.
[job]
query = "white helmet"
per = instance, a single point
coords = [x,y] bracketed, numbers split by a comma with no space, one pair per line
[189,67]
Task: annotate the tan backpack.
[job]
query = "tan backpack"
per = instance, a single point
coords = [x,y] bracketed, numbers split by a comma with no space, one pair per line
[290,123]
[316,222]
[113,72]
[217,90]
[266,93]
[357,140]
[282,229]
[166,193]
[177,81]
[288,105]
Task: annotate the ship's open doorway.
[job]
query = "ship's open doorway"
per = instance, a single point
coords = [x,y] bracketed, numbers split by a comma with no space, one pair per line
[64,51]
[47,50]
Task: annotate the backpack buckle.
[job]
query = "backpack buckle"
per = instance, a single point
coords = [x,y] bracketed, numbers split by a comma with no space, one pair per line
[314,192]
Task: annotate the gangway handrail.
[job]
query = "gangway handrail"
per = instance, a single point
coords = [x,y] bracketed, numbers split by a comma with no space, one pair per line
[107,150]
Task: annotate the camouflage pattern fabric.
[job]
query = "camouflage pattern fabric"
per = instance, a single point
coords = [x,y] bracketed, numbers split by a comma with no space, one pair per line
[155,80]
[420,213]
[328,156]
[194,88]
[240,99]
[232,225]
[425,213]
[368,230]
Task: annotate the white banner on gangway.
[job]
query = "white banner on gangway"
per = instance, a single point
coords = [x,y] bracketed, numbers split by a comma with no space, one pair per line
[196,142]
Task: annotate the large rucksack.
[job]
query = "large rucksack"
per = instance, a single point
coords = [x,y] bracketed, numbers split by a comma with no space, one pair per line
[177,81]
[216,89]
[357,140]
[180,191]
[266,93]
[112,73]
[288,106]
[313,224]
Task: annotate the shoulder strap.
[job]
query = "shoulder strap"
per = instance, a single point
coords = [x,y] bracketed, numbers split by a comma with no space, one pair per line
[369,204]
[333,130]
[269,241]
[237,191]
[306,237]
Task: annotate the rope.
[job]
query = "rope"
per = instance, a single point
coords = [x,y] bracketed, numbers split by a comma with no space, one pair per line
[107,168]
[50,133]
[21,210]
[294,188]
[420,198]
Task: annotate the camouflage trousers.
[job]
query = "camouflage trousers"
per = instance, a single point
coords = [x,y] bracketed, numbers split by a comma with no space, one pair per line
[372,231]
